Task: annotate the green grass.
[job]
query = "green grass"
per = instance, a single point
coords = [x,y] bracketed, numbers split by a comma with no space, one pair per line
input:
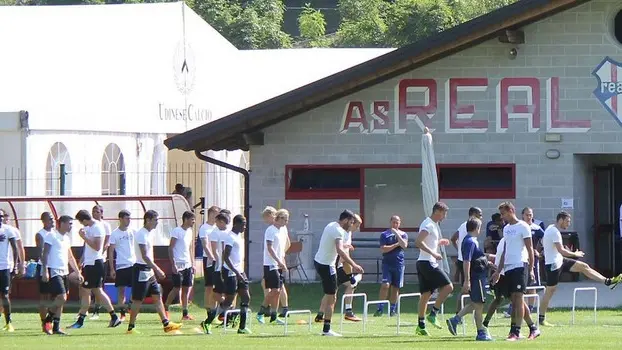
[380,332]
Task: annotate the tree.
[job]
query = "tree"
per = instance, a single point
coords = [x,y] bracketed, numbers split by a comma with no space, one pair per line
[362,23]
[412,20]
[246,24]
[312,26]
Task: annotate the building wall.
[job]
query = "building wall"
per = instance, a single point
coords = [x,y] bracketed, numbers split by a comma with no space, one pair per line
[568,46]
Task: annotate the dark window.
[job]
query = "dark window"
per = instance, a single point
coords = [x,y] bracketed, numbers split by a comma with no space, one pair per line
[323,183]
[617,26]
[473,182]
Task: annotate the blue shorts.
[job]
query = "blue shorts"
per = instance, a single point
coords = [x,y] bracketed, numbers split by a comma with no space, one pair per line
[478,289]
[393,275]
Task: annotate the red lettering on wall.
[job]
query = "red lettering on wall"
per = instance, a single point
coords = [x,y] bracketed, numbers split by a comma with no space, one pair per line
[354,117]
[420,113]
[529,111]
[380,115]
[553,117]
[458,117]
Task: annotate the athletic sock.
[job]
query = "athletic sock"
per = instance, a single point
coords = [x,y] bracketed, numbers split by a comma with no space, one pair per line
[208,310]
[49,317]
[184,312]
[284,311]
[380,307]
[130,326]
[7,317]
[434,311]
[56,324]
[421,322]
[211,317]
[541,319]
[262,310]
[113,315]
[532,327]
[326,328]
[243,313]
[165,322]
[393,307]
[81,318]
[349,307]
[122,311]
[607,281]
[273,316]
[320,315]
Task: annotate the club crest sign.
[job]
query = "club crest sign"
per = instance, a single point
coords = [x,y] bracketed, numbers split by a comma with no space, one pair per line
[609,90]
[184,68]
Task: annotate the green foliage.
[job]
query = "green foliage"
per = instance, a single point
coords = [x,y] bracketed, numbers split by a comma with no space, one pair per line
[363,23]
[413,20]
[312,26]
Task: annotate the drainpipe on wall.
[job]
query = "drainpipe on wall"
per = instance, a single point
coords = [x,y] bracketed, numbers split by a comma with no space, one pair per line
[247,206]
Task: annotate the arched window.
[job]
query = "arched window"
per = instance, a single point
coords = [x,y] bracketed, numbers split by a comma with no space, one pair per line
[56,182]
[113,171]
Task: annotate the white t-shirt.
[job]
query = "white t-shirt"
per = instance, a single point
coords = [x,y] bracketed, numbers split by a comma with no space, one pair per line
[6,251]
[90,254]
[237,252]
[218,236]
[108,231]
[515,250]
[499,252]
[327,252]
[144,237]
[434,235]
[278,237]
[123,242]
[462,233]
[18,237]
[347,239]
[58,256]
[204,233]
[43,233]
[181,249]
[552,256]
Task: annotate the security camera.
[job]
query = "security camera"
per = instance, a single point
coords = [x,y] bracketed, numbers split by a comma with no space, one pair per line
[512,53]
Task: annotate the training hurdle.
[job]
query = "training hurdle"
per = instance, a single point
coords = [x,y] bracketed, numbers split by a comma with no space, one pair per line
[232,311]
[399,308]
[574,299]
[368,304]
[294,312]
[343,305]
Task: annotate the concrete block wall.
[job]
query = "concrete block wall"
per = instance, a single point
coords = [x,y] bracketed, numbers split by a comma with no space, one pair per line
[569,45]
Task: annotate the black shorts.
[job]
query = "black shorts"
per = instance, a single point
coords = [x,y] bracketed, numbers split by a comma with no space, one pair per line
[219,284]
[43,286]
[516,280]
[460,269]
[232,284]
[183,278]
[94,275]
[208,273]
[552,277]
[328,275]
[431,278]
[124,277]
[478,289]
[342,276]
[501,289]
[5,282]
[273,278]
[143,288]
[57,285]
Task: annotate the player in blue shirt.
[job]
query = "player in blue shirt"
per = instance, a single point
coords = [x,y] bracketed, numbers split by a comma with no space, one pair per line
[392,244]
[475,264]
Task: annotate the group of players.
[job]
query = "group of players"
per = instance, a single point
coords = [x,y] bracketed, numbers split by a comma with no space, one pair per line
[130,261]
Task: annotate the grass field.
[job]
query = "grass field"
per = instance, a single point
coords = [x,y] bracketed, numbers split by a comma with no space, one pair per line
[381,332]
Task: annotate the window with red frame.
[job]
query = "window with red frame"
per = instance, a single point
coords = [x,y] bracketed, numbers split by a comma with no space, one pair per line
[477,181]
[307,182]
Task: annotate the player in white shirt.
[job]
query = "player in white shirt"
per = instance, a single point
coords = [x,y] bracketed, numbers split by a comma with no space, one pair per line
[205,231]
[517,274]
[558,259]
[431,276]
[56,259]
[93,234]
[216,243]
[456,241]
[331,247]
[8,252]
[121,268]
[181,255]
[276,242]
[48,226]
[146,275]
[235,280]
[98,215]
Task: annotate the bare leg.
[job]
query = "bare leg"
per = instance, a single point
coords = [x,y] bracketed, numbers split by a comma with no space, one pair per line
[544,304]
[587,271]
[479,309]
[174,293]
[383,295]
